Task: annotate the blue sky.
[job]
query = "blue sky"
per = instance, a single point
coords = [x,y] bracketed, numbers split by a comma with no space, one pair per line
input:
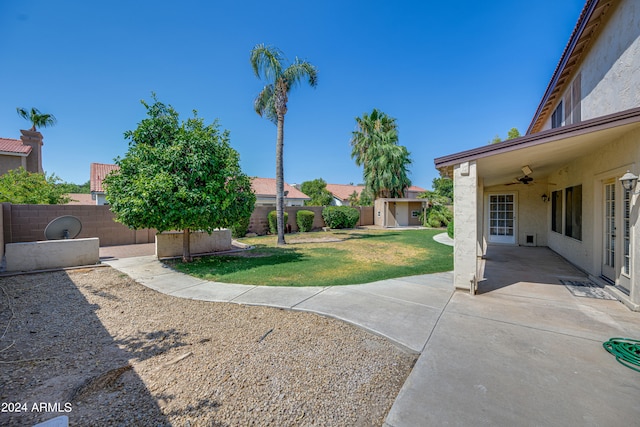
[453,74]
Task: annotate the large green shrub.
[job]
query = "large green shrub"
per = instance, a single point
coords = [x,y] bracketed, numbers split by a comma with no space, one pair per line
[340,216]
[450,229]
[437,216]
[304,219]
[273,221]
[239,229]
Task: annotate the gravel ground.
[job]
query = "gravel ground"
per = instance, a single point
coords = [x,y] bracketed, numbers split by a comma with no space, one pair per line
[94,345]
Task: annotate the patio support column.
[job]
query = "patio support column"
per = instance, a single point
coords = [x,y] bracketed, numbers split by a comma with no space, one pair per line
[465,223]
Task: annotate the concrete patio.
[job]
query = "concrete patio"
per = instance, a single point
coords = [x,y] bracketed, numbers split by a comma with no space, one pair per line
[525,351]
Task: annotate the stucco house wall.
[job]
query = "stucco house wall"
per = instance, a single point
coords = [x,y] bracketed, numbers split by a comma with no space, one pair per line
[9,162]
[607,71]
[591,171]
[531,214]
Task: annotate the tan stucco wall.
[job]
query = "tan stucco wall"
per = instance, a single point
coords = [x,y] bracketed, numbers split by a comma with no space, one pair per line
[169,244]
[52,254]
[532,212]
[590,171]
[8,163]
[610,71]
[34,139]
[466,247]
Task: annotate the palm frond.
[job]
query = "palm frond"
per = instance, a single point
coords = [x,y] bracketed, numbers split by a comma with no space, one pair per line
[264,104]
[301,70]
[266,62]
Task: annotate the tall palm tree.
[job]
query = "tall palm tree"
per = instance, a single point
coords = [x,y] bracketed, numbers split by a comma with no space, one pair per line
[375,147]
[268,64]
[369,128]
[37,119]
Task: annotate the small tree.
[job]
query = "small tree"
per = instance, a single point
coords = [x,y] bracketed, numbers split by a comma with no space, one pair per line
[70,187]
[317,191]
[178,176]
[354,199]
[513,133]
[19,186]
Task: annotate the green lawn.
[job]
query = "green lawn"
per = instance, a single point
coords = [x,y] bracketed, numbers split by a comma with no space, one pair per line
[327,258]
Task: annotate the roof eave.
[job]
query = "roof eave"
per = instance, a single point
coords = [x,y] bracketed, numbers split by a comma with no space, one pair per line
[577,34]
[14,153]
[550,135]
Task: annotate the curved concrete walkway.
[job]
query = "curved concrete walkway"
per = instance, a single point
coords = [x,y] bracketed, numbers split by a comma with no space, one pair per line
[525,352]
[384,308]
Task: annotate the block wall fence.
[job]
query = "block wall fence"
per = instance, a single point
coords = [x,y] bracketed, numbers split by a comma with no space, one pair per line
[26,223]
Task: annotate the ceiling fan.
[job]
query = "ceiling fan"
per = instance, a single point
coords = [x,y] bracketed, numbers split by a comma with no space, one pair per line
[525,179]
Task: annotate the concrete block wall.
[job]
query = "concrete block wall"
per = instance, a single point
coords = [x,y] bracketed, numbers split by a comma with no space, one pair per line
[26,223]
[260,225]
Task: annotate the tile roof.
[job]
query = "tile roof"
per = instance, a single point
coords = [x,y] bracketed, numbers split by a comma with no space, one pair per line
[342,191]
[81,199]
[14,146]
[267,187]
[98,172]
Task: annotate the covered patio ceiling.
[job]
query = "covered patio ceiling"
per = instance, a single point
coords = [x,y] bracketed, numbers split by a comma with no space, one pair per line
[543,152]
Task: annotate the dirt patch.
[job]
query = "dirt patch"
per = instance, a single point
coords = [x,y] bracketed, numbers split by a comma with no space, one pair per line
[104,350]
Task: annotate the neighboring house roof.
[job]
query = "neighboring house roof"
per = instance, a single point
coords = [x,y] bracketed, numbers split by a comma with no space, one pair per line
[98,172]
[415,188]
[266,187]
[14,146]
[81,199]
[344,191]
[583,33]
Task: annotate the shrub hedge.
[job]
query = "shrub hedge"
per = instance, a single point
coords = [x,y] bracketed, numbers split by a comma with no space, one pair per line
[340,216]
[304,219]
[272,217]
[450,229]
[437,216]
[240,228]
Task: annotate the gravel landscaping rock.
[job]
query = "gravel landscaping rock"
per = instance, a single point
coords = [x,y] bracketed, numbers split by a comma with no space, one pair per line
[94,345]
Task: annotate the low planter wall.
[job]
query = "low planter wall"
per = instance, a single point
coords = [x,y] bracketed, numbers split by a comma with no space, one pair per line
[169,244]
[44,255]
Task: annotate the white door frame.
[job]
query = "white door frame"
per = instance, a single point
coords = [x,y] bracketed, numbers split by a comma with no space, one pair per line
[501,218]
[610,212]
[616,275]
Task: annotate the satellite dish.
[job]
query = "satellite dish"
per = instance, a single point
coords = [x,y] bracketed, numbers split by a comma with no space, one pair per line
[63,227]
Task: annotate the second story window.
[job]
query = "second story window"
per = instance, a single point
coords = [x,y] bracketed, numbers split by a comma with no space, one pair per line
[556,117]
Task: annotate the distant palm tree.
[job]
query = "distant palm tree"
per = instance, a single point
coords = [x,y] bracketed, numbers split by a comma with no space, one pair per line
[370,128]
[375,147]
[37,119]
[267,63]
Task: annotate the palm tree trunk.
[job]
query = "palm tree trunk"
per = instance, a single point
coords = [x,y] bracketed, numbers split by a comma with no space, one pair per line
[280,180]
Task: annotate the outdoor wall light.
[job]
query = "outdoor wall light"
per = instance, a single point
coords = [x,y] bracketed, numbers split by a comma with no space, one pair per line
[629,181]
[545,198]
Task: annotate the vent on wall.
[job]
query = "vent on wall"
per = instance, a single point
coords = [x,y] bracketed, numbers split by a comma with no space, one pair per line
[529,239]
